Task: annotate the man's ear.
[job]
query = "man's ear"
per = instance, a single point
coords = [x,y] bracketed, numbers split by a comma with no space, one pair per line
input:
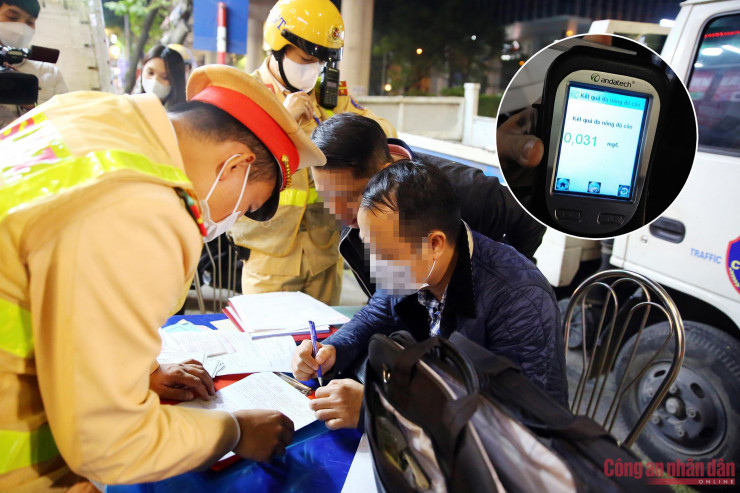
[235,164]
[437,241]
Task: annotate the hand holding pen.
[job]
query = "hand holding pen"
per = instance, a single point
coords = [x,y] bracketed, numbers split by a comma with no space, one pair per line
[306,361]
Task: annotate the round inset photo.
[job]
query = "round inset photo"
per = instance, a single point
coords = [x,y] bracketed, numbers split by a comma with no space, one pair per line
[596,136]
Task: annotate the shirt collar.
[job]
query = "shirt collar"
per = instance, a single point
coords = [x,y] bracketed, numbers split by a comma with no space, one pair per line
[459,297]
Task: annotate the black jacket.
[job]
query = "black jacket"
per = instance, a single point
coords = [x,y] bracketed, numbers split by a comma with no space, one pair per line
[487,206]
[496,298]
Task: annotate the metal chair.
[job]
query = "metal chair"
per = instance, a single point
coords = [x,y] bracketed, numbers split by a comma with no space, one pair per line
[611,326]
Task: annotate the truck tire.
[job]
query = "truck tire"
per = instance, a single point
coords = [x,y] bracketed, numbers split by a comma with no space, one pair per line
[699,417]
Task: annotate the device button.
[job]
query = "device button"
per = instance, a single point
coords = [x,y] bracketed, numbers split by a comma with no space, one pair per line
[568,214]
[605,218]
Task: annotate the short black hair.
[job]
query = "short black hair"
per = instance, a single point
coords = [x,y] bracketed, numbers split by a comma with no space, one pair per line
[352,141]
[215,124]
[423,196]
[174,65]
[31,7]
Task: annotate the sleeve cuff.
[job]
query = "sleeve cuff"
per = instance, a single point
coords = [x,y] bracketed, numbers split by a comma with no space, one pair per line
[238,432]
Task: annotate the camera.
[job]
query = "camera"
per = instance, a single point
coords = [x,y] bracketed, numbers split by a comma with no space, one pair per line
[16,87]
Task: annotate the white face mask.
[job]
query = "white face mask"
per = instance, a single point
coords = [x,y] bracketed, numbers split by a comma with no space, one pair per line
[396,278]
[16,34]
[301,75]
[215,229]
[153,86]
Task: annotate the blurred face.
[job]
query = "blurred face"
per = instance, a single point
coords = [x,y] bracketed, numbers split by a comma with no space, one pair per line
[341,193]
[398,264]
[155,69]
[12,13]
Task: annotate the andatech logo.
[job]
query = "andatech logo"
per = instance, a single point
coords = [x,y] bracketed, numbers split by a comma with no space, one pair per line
[733,263]
[613,82]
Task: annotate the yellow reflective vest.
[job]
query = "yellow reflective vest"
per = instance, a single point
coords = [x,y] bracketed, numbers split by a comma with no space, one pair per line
[78,336]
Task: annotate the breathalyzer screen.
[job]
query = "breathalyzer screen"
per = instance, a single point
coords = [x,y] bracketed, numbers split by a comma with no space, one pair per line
[600,142]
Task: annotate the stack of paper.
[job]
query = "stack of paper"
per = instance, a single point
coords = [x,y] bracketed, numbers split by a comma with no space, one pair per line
[284,313]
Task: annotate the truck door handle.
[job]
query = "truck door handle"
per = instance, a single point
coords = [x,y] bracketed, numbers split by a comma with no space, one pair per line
[668,230]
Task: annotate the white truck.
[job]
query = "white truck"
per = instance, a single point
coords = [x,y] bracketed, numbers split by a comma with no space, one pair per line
[693,249]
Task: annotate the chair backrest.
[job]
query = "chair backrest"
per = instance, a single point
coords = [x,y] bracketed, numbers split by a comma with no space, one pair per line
[217,276]
[622,301]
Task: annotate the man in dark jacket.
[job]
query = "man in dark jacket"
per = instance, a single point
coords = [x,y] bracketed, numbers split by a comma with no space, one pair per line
[356,149]
[435,276]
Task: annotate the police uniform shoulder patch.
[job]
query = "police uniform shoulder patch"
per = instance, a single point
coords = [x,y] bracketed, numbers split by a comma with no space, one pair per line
[343,88]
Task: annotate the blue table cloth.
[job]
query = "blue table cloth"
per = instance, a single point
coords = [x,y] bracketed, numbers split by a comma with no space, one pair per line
[317,460]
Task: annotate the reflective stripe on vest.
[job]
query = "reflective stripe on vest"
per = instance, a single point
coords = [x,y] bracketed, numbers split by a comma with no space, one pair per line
[15,329]
[37,167]
[298,198]
[26,448]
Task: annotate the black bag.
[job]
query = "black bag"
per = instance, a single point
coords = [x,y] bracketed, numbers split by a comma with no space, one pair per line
[448,415]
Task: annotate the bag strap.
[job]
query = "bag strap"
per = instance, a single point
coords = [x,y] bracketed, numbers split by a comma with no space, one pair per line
[407,360]
[514,388]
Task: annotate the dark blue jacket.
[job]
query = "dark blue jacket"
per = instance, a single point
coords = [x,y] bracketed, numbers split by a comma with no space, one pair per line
[497,298]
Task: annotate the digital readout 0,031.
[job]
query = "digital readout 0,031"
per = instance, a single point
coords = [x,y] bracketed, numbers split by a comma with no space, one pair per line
[579,139]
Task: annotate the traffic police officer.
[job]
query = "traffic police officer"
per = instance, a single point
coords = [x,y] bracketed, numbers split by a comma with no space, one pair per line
[104,201]
[298,249]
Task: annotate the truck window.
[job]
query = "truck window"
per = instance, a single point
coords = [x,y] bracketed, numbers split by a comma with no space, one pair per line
[714,85]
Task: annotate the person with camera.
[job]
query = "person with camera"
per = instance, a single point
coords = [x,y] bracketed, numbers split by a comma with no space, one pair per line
[17,27]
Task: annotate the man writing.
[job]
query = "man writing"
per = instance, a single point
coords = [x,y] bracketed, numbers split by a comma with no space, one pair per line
[434,277]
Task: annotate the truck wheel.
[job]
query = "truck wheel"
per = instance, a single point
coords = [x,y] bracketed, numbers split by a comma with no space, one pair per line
[698,418]
[575,341]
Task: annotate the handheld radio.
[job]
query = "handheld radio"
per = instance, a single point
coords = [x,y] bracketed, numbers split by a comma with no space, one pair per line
[329,86]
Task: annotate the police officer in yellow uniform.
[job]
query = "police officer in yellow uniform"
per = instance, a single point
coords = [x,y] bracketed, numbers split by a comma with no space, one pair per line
[104,203]
[298,249]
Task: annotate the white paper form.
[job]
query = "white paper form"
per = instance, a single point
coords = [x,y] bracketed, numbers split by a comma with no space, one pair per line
[252,356]
[211,342]
[167,357]
[261,391]
[235,351]
[283,310]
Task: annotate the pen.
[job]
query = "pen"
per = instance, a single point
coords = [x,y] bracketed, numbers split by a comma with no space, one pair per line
[303,389]
[312,327]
